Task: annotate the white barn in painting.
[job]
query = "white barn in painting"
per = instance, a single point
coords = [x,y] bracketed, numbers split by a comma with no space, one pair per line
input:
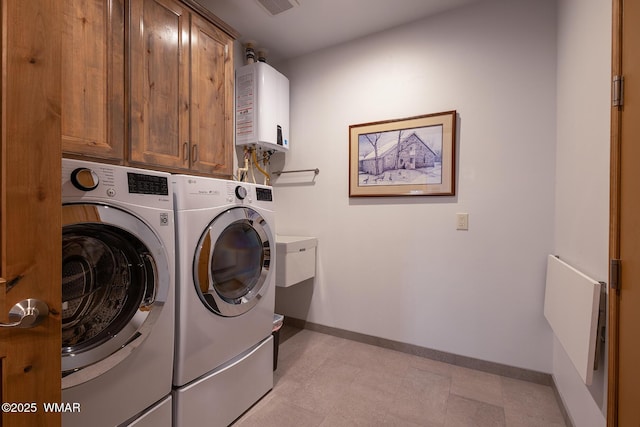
[411,153]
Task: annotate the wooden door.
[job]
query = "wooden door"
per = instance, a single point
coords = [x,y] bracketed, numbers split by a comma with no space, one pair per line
[30,223]
[624,305]
[212,79]
[159,86]
[93,76]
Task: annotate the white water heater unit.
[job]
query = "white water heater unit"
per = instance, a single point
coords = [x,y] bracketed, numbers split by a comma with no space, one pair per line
[262,107]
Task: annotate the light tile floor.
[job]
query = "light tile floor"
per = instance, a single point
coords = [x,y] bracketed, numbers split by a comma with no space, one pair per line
[324,381]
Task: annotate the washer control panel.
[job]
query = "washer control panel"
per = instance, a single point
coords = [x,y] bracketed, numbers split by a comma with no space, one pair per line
[82,179]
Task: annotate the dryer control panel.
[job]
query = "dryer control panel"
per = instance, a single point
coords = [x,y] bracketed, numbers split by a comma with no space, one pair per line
[264,194]
[245,192]
[196,192]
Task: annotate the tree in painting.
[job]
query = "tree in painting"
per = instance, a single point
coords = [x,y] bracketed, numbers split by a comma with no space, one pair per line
[373,139]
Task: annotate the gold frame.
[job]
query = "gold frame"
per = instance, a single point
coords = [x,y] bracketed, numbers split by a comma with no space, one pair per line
[401,167]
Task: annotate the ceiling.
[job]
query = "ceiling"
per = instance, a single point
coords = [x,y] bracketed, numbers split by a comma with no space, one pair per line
[311,25]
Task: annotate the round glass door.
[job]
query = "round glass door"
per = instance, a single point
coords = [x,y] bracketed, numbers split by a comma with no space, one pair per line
[111,286]
[232,262]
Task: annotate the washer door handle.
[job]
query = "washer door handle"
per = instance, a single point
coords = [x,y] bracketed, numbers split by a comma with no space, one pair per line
[27,314]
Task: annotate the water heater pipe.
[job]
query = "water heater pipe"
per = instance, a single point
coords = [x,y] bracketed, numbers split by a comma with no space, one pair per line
[257,165]
[245,169]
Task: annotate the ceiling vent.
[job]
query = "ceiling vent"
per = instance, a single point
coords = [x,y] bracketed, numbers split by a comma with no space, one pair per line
[275,7]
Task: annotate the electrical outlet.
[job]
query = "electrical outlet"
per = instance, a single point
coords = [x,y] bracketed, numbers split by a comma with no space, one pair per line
[462,221]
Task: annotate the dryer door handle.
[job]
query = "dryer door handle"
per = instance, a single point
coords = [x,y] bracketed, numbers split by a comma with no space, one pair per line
[27,314]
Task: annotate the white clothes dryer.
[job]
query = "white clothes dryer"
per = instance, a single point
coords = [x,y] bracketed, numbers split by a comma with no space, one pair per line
[225,298]
[118,275]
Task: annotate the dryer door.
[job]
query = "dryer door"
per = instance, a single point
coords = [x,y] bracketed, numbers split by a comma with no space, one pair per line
[231,268]
[113,288]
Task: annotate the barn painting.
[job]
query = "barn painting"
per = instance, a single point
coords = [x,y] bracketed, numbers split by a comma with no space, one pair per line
[405,156]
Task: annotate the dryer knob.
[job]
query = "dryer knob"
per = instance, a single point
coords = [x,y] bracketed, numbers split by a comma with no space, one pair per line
[84,179]
[241,192]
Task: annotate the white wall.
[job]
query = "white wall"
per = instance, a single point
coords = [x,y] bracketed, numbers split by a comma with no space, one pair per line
[396,267]
[582,174]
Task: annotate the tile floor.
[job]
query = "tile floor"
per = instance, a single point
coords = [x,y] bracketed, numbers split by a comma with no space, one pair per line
[324,380]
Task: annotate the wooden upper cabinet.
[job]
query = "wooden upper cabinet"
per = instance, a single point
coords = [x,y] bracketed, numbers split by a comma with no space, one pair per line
[159,86]
[181,90]
[93,100]
[212,80]
[171,107]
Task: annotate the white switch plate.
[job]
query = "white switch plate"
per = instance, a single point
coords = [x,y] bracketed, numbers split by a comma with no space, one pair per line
[462,221]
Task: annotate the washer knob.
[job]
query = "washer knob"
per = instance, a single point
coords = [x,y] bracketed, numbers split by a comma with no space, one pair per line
[241,192]
[84,179]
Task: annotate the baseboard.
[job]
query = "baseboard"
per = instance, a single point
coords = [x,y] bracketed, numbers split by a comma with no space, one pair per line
[563,409]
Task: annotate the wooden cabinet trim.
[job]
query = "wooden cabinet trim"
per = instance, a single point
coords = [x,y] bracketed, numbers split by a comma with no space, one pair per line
[209,16]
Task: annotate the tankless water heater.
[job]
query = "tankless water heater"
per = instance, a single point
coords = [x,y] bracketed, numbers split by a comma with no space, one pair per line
[262,107]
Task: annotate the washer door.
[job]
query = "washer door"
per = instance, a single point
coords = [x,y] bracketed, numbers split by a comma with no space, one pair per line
[113,287]
[232,260]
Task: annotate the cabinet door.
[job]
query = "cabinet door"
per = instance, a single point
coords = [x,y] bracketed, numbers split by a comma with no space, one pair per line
[211,99]
[93,75]
[159,84]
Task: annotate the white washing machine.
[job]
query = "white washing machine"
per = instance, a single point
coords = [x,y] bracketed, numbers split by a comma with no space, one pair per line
[225,299]
[118,275]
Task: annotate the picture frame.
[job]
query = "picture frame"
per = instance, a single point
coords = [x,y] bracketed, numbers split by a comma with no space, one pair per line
[414,156]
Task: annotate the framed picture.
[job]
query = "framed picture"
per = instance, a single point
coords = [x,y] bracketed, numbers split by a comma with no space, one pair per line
[407,157]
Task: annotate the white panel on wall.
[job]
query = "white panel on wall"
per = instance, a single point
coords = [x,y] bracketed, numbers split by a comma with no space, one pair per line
[572,307]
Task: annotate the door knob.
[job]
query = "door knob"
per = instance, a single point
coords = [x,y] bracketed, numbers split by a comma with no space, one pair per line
[27,314]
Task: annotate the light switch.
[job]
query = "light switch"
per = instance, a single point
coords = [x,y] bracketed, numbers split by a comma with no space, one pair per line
[462,221]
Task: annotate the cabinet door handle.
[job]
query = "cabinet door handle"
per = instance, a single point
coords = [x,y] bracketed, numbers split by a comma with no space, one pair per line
[185,151]
[194,153]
